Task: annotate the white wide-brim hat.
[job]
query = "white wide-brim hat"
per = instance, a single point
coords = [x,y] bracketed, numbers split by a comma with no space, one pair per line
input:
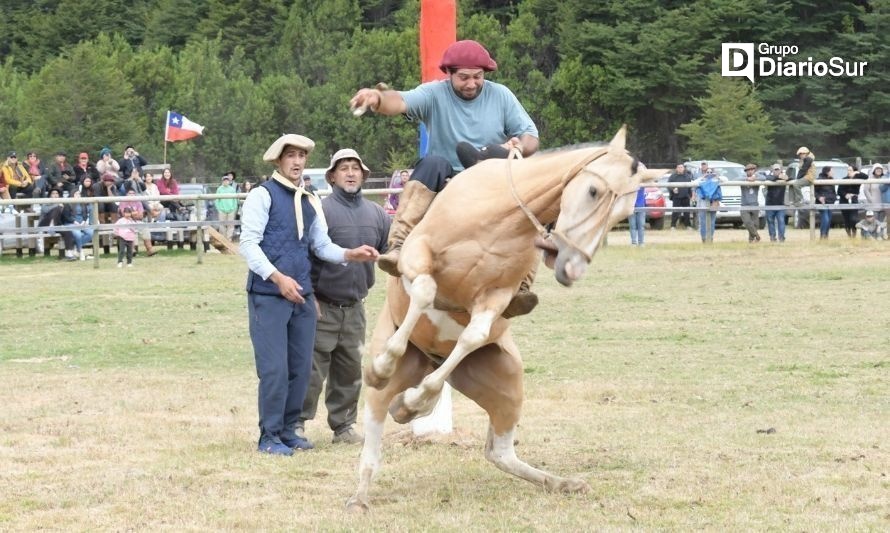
[346,153]
[288,139]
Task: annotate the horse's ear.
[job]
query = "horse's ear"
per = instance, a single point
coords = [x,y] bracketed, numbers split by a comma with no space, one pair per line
[617,144]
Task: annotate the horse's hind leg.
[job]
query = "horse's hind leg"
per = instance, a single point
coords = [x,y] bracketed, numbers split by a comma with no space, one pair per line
[492,377]
[410,370]
[422,292]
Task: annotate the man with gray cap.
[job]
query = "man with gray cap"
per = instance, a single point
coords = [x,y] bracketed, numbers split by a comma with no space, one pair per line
[340,291]
[280,224]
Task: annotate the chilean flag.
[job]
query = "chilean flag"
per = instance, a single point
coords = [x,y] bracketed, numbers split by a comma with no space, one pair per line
[180,128]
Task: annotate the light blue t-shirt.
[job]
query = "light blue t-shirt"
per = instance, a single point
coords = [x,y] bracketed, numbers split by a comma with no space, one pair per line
[492,117]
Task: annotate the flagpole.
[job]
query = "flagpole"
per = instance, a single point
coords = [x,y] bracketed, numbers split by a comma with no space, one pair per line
[166,125]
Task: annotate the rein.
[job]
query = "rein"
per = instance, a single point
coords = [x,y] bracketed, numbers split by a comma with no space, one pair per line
[569,176]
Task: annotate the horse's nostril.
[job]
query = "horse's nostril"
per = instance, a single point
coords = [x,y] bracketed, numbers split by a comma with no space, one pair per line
[592,192]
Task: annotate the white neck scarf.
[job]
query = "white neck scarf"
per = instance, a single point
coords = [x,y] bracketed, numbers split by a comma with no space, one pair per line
[314,201]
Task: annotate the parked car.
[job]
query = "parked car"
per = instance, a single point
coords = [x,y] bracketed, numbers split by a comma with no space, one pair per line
[322,187]
[655,198]
[800,218]
[732,194]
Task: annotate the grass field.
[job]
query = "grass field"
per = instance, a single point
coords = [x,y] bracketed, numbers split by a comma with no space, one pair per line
[729,387]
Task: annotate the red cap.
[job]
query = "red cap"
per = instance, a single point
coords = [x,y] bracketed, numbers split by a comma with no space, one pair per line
[467,54]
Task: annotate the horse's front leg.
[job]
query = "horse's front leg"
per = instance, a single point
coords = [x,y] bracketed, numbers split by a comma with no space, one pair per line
[422,292]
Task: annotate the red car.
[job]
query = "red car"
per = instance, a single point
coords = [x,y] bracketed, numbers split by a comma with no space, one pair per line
[655,198]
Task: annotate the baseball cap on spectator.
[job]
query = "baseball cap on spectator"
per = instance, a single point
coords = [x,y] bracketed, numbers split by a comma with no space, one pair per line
[12,154]
[869,213]
[777,167]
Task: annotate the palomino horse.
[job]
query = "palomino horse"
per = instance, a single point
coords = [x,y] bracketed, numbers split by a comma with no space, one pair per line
[469,253]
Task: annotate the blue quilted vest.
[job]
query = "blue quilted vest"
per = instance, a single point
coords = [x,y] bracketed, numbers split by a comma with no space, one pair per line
[289,255]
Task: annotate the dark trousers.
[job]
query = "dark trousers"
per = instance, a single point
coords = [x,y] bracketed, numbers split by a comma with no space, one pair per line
[851,217]
[337,359]
[282,334]
[685,216]
[124,246]
[433,171]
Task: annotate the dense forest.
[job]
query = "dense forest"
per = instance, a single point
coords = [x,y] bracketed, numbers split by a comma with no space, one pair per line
[79,75]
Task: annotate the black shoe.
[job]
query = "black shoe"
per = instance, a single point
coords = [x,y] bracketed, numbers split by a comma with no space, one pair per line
[469,155]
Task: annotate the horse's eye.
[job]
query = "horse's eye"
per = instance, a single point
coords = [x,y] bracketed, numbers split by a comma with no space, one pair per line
[592,192]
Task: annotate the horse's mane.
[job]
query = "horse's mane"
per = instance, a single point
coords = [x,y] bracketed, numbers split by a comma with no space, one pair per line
[579,146]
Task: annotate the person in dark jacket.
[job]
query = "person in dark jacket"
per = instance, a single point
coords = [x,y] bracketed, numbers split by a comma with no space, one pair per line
[680,196]
[131,160]
[825,196]
[280,224]
[339,293]
[849,195]
[774,198]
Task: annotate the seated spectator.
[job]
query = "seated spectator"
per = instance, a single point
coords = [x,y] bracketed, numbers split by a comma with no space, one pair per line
[61,175]
[151,189]
[37,170]
[132,161]
[871,228]
[16,177]
[137,213]
[168,186]
[76,217]
[84,168]
[133,181]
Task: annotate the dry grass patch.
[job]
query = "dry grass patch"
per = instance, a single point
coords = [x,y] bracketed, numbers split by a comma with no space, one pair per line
[694,388]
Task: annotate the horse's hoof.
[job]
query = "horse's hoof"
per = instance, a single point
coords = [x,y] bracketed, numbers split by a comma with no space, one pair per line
[571,486]
[371,378]
[399,411]
[357,505]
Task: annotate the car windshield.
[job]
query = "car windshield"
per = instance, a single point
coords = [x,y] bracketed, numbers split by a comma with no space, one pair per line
[729,173]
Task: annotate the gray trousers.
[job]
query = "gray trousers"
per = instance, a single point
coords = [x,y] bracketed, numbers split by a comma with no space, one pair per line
[337,358]
[750,219]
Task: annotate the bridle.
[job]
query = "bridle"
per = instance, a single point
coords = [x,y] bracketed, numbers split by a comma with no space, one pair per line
[573,172]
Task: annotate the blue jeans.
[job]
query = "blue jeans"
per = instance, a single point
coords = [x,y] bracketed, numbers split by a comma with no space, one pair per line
[824,222]
[703,226]
[775,223]
[637,222]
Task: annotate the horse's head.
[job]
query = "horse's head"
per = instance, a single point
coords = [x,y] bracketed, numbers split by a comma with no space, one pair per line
[595,199]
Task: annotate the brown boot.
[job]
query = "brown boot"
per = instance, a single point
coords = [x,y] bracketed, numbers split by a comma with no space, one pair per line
[524,300]
[413,203]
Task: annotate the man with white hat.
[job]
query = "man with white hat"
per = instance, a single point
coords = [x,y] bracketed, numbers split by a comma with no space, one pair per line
[806,175]
[339,293]
[872,228]
[280,224]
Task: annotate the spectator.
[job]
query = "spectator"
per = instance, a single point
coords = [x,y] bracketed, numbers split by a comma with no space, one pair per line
[885,199]
[391,205]
[307,184]
[132,161]
[281,224]
[680,196]
[61,175]
[870,193]
[340,291]
[226,208]
[702,171]
[775,198]
[16,177]
[825,196]
[37,170]
[168,186]
[137,211]
[151,189]
[806,175]
[51,216]
[126,237]
[4,189]
[849,195]
[871,228]
[77,217]
[462,114]
[637,219]
[707,197]
[84,168]
[750,218]
[108,168]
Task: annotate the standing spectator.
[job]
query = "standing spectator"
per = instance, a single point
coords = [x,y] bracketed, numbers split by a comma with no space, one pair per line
[806,175]
[775,198]
[462,114]
[885,199]
[340,291]
[137,211]
[680,196]
[84,168]
[77,217]
[245,188]
[750,218]
[61,175]
[37,170]
[637,219]
[307,184]
[825,196]
[871,228]
[168,186]
[16,177]
[109,178]
[281,224]
[849,195]
[701,171]
[708,195]
[131,161]
[126,237]
[226,208]
[870,193]
[398,182]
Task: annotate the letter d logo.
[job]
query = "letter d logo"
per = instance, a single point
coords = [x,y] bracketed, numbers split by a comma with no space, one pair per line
[738,60]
